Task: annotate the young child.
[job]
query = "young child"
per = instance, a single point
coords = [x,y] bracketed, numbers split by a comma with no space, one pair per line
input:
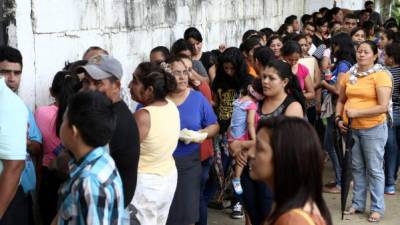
[93,192]
[244,122]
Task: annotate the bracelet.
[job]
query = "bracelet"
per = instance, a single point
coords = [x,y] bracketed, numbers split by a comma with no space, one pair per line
[337,122]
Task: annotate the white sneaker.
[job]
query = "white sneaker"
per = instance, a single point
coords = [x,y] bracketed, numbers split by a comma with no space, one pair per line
[237,211]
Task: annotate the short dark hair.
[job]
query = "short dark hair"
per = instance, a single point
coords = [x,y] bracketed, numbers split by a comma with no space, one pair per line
[368,3]
[72,67]
[267,32]
[305,18]
[298,37]
[390,24]
[263,54]
[309,24]
[192,32]
[94,48]
[290,47]
[249,44]
[180,45]
[371,44]
[323,10]
[363,11]
[273,37]
[10,54]
[92,114]
[249,33]
[356,29]
[290,19]
[164,50]
[391,35]
[319,22]
[392,50]
[351,16]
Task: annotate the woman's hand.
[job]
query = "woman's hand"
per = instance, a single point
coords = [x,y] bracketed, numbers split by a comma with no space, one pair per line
[235,147]
[343,128]
[241,158]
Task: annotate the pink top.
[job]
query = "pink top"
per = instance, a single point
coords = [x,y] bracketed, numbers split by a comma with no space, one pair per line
[302,73]
[46,120]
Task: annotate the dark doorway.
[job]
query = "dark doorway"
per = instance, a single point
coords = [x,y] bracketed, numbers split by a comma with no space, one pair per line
[4,22]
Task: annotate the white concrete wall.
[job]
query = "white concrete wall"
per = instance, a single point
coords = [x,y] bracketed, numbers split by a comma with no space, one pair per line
[50,32]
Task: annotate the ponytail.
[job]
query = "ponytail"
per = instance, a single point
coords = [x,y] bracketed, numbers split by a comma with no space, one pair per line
[293,89]
[158,77]
[64,86]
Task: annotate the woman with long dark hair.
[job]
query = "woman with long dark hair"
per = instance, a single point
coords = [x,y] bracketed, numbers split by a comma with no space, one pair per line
[291,52]
[231,79]
[275,43]
[297,186]
[49,119]
[282,91]
[247,47]
[283,96]
[343,52]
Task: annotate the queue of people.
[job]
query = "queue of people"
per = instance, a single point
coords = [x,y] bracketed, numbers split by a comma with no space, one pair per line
[199,129]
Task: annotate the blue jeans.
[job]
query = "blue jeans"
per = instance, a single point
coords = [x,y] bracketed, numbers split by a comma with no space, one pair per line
[257,198]
[367,163]
[329,146]
[392,153]
[204,192]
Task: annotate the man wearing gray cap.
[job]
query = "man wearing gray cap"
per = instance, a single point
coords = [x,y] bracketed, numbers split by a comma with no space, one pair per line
[103,73]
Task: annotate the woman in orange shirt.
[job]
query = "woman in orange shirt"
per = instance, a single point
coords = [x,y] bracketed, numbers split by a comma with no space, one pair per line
[297,186]
[364,96]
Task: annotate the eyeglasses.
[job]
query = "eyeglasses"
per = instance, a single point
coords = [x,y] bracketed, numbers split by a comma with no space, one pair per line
[177,73]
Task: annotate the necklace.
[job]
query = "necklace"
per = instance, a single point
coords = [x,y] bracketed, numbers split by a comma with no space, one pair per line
[355,74]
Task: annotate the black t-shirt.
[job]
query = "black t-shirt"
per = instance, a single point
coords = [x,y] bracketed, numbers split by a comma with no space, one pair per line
[226,91]
[125,148]
[317,41]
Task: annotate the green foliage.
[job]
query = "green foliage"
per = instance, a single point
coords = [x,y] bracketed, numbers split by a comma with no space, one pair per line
[396,10]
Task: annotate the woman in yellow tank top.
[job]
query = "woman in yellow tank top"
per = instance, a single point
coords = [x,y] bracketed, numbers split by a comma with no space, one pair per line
[159,126]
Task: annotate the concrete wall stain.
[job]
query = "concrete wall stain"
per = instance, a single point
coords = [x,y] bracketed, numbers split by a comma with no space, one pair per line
[128,29]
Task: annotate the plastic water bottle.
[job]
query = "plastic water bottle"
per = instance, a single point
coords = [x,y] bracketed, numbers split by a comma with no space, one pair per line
[327,74]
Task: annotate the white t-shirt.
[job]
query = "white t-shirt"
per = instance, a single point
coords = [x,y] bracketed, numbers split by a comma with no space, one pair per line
[13,125]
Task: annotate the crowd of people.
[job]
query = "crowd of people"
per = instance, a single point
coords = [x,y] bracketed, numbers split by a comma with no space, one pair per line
[198,129]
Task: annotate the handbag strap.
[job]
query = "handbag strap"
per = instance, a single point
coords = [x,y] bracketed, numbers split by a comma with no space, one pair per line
[305,215]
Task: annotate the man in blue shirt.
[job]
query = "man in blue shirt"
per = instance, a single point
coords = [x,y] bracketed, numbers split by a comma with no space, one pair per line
[11,68]
[93,194]
[13,127]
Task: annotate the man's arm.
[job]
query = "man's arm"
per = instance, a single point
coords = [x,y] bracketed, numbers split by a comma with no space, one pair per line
[9,181]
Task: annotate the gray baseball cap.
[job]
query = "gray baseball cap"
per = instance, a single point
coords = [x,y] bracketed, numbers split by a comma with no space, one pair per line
[102,66]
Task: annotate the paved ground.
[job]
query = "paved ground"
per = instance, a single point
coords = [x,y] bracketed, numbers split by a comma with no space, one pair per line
[392,214]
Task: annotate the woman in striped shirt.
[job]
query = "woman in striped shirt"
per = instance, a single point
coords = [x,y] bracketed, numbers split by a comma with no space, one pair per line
[392,148]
